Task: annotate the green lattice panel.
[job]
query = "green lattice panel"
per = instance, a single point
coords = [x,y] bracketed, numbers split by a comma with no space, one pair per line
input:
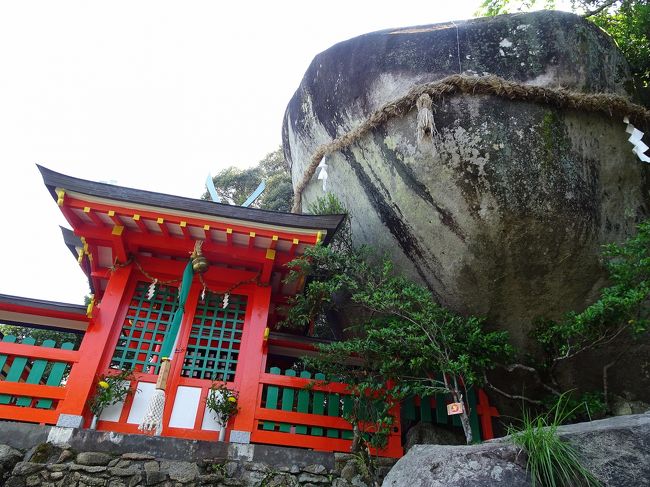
[145,328]
[215,338]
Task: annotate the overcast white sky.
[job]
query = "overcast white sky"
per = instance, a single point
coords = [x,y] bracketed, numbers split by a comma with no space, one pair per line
[152,95]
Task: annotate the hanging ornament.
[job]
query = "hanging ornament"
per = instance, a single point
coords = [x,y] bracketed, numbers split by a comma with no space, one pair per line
[635,139]
[226,300]
[199,263]
[322,175]
[203,293]
[152,289]
[426,127]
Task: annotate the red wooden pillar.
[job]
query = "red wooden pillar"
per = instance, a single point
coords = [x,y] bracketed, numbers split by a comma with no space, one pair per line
[250,363]
[486,412]
[92,348]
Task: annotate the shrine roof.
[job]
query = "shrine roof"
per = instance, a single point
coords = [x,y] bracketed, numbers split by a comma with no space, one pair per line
[43,314]
[54,180]
[75,309]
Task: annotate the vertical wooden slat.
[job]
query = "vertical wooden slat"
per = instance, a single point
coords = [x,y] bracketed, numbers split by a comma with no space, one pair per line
[35,374]
[318,407]
[333,410]
[3,358]
[271,400]
[441,409]
[408,408]
[473,416]
[303,402]
[16,370]
[287,400]
[348,404]
[425,410]
[55,377]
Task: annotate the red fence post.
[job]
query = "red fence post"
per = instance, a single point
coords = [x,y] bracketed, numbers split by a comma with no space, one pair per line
[250,363]
[486,412]
[93,345]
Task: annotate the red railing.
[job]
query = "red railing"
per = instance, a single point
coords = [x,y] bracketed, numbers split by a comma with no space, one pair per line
[301,412]
[34,387]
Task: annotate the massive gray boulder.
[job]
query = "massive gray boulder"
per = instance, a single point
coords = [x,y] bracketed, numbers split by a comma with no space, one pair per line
[505,214]
[616,450]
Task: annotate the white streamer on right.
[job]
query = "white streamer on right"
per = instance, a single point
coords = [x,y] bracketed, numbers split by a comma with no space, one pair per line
[635,139]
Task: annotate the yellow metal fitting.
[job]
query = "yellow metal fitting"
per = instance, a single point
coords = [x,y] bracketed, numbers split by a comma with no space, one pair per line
[91,305]
[60,193]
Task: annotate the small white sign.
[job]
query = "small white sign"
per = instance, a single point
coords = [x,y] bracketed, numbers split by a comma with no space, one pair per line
[454,408]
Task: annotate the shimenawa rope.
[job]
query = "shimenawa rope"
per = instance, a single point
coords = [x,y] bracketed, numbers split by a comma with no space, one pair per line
[458,84]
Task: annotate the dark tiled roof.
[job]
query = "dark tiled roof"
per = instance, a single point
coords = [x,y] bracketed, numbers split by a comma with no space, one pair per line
[39,303]
[53,180]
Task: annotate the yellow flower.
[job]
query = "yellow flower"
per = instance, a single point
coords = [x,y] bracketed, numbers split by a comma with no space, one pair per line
[103,384]
[232,399]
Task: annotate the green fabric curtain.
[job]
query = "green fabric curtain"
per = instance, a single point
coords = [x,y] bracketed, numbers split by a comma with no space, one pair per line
[186,283]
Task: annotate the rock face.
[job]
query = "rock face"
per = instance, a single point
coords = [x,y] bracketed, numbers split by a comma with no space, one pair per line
[616,450]
[505,214]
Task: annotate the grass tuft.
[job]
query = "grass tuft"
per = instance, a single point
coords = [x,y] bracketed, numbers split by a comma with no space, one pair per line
[552,462]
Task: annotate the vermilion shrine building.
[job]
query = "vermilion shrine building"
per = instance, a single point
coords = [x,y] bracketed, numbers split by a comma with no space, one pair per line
[124,239]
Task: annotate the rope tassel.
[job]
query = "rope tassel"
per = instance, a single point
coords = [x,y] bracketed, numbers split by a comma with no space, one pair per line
[153,418]
[426,127]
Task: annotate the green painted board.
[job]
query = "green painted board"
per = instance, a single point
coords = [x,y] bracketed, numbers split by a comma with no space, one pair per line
[271,400]
[332,410]
[303,402]
[455,420]
[318,407]
[441,409]
[3,358]
[35,374]
[348,404]
[55,377]
[16,370]
[473,417]
[287,400]
[408,408]
[425,410]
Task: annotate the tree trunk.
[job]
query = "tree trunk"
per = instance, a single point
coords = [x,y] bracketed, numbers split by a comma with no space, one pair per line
[467,427]
[457,396]
[356,439]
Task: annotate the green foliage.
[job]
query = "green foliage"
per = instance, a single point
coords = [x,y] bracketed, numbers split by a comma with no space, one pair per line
[218,468]
[627,21]
[490,8]
[551,461]
[400,334]
[621,309]
[579,407]
[41,334]
[330,205]
[235,185]
[110,390]
[222,402]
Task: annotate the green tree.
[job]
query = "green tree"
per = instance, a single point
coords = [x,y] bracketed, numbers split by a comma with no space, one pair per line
[235,185]
[402,339]
[41,334]
[627,21]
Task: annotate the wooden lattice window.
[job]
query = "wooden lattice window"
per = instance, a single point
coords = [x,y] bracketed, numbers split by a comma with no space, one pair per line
[213,345]
[145,328]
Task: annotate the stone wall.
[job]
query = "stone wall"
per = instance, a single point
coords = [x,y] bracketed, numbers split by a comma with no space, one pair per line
[32,456]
